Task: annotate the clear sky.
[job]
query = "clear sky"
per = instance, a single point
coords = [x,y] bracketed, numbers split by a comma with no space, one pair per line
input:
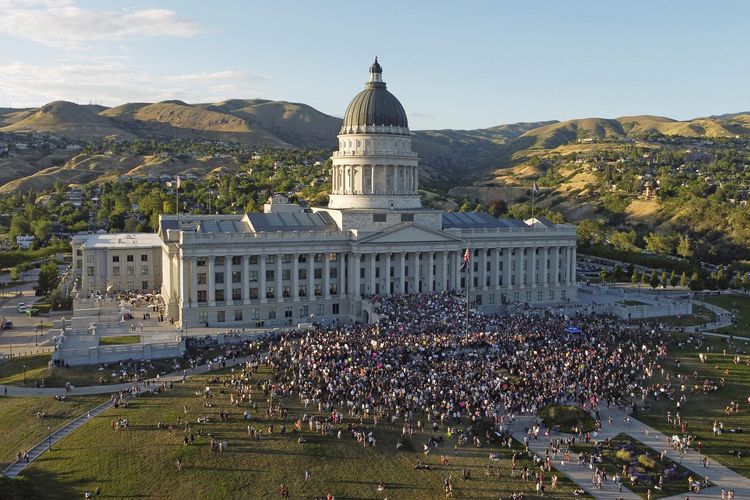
[453,64]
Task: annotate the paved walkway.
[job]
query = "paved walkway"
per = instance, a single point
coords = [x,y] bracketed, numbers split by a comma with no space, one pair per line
[722,477]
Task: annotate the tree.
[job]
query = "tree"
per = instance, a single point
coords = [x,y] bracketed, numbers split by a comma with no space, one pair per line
[603,275]
[746,281]
[695,281]
[644,278]
[48,278]
[623,240]
[664,279]
[657,243]
[14,274]
[590,232]
[684,247]
[42,229]
[466,207]
[634,278]
[498,208]
[654,279]
[617,273]
[684,281]
[674,279]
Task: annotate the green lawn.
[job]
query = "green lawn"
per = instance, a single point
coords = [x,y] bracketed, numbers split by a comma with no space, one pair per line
[37,368]
[120,340]
[567,418]
[20,427]
[737,304]
[624,450]
[700,316]
[141,461]
[700,409]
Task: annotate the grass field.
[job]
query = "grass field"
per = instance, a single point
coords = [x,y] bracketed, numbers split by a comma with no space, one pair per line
[20,427]
[120,340]
[37,368]
[737,304]
[624,450]
[141,461]
[701,409]
[569,419]
[700,316]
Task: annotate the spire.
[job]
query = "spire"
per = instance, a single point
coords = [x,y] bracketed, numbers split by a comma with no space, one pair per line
[376,72]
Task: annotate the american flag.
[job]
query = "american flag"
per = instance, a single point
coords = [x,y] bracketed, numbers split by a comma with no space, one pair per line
[467,258]
[536,187]
[178,182]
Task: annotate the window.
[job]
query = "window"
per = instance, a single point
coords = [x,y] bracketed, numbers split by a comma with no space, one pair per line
[269,274]
[288,312]
[321,309]
[116,271]
[286,292]
[269,292]
[286,258]
[221,316]
[318,257]
[144,270]
[253,260]
[333,273]
[144,258]
[254,293]
[562,294]
[131,270]
[79,252]
[236,260]
[270,259]
[115,258]
[491,298]
[333,257]
[253,276]
[362,272]
[318,290]
[202,296]
[272,314]
[379,217]
[201,278]
[302,274]
[333,289]
[540,295]
[236,276]
[286,274]
[407,217]
[302,291]
[318,274]
[90,258]
[254,314]
[304,311]
[90,271]
[377,272]
[131,285]
[200,261]
[238,314]
[219,295]
[236,293]
[528,296]
[218,278]
[202,316]
[130,258]
[79,264]
[334,308]
[219,261]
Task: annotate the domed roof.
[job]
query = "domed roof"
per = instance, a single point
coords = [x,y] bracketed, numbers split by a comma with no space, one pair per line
[375,105]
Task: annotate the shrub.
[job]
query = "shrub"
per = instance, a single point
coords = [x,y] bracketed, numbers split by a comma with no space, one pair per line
[646,461]
[623,455]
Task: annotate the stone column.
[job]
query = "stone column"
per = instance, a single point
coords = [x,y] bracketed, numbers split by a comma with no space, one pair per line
[495,268]
[311,276]
[507,268]
[228,280]
[401,272]
[572,265]
[430,274]
[354,292]
[193,281]
[443,273]
[457,255]
[327,276]
[342,274]
[543,264]
[532,265]
[372,179]
[519,267]
[555,265]
[262,279]
[211,266]
[482,268]
[387,273]
[279,281]
[372,266]
[415,276]
[245,279]
[295,277]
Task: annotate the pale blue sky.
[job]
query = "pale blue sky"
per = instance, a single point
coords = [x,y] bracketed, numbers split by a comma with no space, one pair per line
[452,64]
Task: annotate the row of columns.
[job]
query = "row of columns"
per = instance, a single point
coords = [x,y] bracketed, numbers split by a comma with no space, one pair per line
[440,271]
[373,179]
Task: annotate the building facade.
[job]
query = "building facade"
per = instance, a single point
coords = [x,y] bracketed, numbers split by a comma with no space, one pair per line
[290,265]
[117,262]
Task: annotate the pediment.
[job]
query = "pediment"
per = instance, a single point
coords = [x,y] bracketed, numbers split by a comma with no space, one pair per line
[409,232]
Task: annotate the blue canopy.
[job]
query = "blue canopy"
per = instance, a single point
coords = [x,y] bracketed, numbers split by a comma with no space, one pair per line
[573,329]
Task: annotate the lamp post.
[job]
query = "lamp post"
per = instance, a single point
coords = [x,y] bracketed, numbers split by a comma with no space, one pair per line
[49,438]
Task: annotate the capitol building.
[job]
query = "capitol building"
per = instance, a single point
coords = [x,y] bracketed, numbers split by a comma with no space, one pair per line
[289,265]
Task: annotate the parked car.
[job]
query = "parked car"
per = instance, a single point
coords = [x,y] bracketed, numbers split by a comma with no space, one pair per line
[7,325]
[21,307]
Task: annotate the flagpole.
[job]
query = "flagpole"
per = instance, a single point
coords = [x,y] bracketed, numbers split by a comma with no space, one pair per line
[533,199]
[178,201]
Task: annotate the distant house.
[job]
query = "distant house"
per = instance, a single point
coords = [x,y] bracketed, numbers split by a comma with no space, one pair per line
[24,242]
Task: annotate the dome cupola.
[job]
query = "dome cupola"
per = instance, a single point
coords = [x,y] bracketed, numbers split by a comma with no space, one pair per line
[375,107]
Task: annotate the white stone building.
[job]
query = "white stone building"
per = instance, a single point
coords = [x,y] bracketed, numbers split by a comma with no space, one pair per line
[288,265]
[117,262]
